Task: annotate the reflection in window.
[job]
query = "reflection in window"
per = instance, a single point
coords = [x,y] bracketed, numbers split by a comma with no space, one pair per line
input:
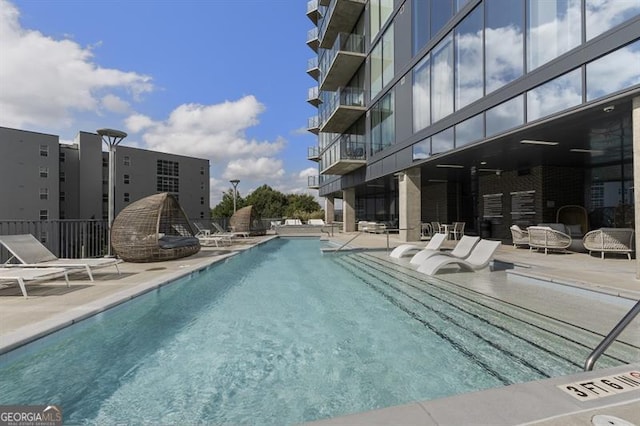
[469,81]
[604,79]
[420,10]
[505,116]
[442,142]
[460,4]
[504,54]
[382,123]
[382,62]
[469,130]
[556,95]
[554,27]
[603,15]
[422,149]
[379,12]
[441,12]
[442,79]
[421,95]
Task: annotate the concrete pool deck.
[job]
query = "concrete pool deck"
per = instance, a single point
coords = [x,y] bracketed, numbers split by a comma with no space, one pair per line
[52,306]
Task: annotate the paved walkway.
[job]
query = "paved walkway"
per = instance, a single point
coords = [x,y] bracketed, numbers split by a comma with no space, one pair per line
[52,306]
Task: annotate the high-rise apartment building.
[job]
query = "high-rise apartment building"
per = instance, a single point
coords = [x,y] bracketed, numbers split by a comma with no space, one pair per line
[489,112]
[42,179]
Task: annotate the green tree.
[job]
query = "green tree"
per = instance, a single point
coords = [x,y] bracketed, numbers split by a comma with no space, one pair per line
[267,202]
[225,206]
[301,205]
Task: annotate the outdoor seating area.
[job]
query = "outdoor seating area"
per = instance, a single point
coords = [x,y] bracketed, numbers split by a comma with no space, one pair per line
[610,240]
[371,227]
[152,229]
[547,238]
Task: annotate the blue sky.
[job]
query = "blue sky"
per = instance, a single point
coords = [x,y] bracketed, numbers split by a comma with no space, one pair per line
[217,79]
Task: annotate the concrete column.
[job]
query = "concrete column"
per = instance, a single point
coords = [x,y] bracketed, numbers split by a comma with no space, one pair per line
[349,209]
[410,201]
[329,209]
[636,174]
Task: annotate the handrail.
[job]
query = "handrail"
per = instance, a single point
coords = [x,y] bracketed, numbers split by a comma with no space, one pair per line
[354,237]
[613,334]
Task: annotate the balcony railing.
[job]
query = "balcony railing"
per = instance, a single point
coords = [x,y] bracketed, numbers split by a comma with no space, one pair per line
[68,238]
[345,155]
[312,39]
[312,11]
[313,153]
[340,63]
[346,12]
[313,124]
[313,96]
[313,182]
[342,109]
[312,68]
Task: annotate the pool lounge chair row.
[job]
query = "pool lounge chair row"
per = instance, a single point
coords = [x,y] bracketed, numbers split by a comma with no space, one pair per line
[470,253]
[36,262]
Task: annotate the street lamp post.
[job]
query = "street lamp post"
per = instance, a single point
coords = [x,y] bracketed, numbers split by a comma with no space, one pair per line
[112,138]
[235,183]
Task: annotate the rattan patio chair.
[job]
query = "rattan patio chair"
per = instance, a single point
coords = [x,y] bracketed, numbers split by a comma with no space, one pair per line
[247,221]
[543,237]
[519,236]
[610,240]
[147,231]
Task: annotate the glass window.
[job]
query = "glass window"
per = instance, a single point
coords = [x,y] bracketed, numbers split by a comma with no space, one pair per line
[126,160]
[505,116]
[460,4]
[44,172]
[603,15]
[62,195]
[604,79]
[126,197]
[382,62]
[44,150]
[470,130]
[556,95]
[44,193]
[379,12]
[44,214]
[504,52]
[382,124]
[442,142]
[62,157]
[442,79]
[441,12]
[554,27]
[469,59]
[420,10]
[421,95]
[62,177]
[387,56]
[422,149]
[376,69]
[127,179]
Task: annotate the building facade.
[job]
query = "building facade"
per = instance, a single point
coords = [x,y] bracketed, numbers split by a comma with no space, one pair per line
[489,112]
[41,179]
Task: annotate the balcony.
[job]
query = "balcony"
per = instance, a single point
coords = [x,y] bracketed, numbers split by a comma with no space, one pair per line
[313,96]
[313,153]
[341,16]
[312,39]
[342,110]
[312,11]
[344,156]
[340,63]
[312,68]
[313,124]
[313,182]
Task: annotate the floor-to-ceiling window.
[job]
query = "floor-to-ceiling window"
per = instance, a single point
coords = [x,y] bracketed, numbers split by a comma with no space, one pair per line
[504,42]
[469,75]
[422,94]
[382,123]
[442,79]
[381,62]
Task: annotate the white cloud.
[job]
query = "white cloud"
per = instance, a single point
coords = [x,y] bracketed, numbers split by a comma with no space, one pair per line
[311,171]
[254,168]
[215,131]
[114,103]
[44,81]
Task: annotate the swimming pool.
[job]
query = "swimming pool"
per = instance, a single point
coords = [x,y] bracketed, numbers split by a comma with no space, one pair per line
[282,334]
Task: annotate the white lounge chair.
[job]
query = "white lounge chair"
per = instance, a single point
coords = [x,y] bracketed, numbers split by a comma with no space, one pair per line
[30,252]
[316,222]
[461,250]
[292,222]
[405,249]
[30,274]
[233,234]
[480,257]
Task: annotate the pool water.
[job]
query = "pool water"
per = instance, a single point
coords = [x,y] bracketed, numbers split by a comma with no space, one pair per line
[282,334]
